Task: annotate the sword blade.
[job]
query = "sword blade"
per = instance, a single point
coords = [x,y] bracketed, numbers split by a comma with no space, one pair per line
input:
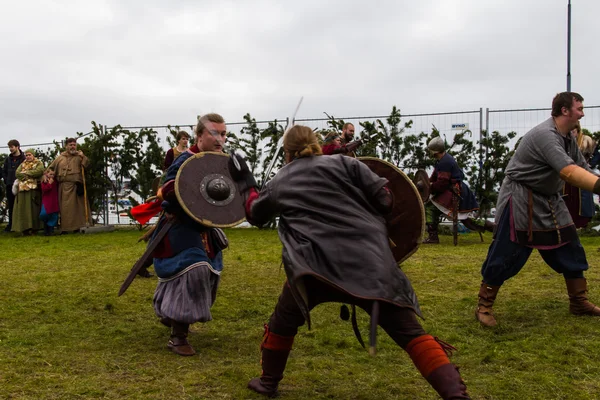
[146,256]
[280,145]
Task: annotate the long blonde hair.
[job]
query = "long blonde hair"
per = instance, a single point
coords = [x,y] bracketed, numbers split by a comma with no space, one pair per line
[300,141]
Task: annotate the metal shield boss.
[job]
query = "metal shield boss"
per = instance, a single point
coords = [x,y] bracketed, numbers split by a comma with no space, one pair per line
[421,182]
[407,222]
[206,191]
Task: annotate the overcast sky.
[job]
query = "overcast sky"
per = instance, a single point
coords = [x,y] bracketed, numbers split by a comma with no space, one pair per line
[66,63]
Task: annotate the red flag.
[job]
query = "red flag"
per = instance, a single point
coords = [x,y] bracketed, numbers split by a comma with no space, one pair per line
[144,212]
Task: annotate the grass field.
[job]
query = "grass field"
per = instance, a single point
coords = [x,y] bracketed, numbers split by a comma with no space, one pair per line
[64,333]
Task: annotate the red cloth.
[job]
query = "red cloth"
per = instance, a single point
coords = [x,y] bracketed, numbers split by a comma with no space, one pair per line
[144,212]
[50,197]
[328,149]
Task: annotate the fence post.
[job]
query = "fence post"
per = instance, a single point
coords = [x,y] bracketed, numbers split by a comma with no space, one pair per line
[106,221]
[479,189]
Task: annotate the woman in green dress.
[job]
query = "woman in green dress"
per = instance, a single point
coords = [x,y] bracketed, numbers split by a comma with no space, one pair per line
[28,201]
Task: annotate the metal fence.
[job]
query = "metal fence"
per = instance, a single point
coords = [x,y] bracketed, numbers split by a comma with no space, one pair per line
[522,120]
[447,123]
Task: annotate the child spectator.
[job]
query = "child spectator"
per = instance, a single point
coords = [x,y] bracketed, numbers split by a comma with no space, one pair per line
[49,213]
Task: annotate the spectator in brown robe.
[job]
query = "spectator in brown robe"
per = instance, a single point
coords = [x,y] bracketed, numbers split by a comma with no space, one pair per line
[68,169]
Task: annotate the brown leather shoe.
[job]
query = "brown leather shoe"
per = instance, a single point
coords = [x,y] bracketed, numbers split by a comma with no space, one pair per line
[578,300]
[484,312]
[433,235]
[179,345]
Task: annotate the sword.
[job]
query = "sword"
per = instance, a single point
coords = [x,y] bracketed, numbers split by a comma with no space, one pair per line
[280,145]
[147,256]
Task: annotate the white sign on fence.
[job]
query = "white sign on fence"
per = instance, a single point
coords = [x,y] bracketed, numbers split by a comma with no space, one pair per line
[460,127]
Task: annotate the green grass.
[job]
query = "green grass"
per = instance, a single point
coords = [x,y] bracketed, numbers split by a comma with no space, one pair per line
[64,333]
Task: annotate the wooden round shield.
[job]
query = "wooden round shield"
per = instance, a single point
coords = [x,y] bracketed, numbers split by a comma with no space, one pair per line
[206,191]
[407,223]
[421,182]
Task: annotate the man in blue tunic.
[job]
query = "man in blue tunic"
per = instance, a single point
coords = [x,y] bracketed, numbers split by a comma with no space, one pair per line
[447,185]
[188,261]
[531,213]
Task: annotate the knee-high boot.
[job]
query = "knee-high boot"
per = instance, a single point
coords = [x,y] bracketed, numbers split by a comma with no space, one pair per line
[578,300]
[487,296]
[429,356]
[275,351]
[178,342]
[433,238]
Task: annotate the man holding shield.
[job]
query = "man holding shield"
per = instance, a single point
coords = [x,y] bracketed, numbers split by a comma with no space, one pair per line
[188,259]
[323,266]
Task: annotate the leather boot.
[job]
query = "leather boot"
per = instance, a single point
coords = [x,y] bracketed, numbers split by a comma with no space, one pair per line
[446,380]
[178,342]
[430,356]
[578,300]
[275,352]
[273,364]
[487,296]
[433,235]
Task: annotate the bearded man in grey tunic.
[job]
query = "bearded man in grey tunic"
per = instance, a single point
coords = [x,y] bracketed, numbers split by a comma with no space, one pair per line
[531,213]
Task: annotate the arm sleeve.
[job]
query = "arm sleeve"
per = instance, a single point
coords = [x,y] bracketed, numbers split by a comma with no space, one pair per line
[20,176]
[85,161]
[38,171]
[441,183]
[552,151]
[53,164]
[367,181]
[168,159]
[260,207]
[384,201]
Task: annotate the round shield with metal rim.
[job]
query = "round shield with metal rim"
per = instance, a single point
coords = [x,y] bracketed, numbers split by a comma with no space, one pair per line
[407,222]
[421,182]
[206,191]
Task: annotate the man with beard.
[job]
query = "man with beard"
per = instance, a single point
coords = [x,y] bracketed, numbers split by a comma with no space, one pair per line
[532,213]
[68,169]
[12,162]
[346,140]
[188,261]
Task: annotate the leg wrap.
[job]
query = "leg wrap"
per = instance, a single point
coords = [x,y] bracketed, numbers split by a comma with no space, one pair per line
[273,341]
[427,354]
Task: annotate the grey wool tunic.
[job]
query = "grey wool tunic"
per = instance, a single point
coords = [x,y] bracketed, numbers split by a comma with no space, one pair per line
[532,188]
[331,230]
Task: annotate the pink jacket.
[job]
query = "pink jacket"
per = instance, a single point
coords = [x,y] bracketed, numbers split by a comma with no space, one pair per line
[50,197]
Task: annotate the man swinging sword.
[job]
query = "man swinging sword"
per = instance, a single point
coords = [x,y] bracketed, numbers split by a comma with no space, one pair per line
[321,267]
